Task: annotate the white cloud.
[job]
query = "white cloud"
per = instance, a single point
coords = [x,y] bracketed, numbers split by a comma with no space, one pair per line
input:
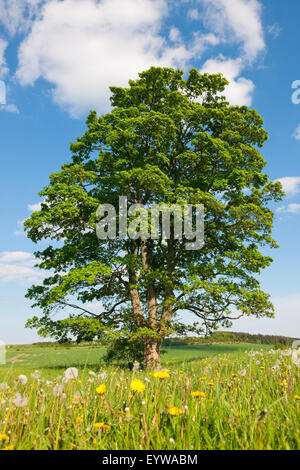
[10,108]
[274,30]
[17,15]
[20,228]
[82,48]
[235,21]
[239,91]
[3,68]
[17,266]
[290,184]
[290,209]
[174,35]
[238,20]
[296,133]
[12,256]
[193,14]
[34,207]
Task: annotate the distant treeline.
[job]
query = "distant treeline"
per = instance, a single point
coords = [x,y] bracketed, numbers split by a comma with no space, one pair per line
[232,337]
[216,337]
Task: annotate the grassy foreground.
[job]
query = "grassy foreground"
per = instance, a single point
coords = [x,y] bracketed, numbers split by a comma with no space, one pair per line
[241,400]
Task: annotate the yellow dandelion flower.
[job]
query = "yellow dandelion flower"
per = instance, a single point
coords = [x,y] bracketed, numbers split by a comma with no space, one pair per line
[79,419]
[202,378]
[174,411]
[297,397]
[211,384]
[161,374]
[11,447]
[101,389]
[4,437]
[197,393]
[101,425]
[137,386]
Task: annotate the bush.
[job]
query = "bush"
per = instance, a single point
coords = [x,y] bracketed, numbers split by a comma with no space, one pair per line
[123,350]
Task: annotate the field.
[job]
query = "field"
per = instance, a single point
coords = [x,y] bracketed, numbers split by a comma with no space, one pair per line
[238,396]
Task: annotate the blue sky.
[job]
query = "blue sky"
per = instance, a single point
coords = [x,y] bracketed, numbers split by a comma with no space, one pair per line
[57,59]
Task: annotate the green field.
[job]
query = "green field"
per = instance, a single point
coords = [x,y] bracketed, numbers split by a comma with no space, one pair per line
[53,359]
[218,396]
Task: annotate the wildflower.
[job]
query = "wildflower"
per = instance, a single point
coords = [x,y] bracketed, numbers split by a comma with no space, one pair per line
[174,411]
[197,393]
[20,401]
[23,379]
[4,437]
[242,372]
[11,447]
[101,425]
[202,378]
[4,386]
[161,374]
[211,384]
[92,374]
[71,373]
[79,420]
[101,389]
[103,375]
[57,390]
[36,374]
[137,386]
[297,397]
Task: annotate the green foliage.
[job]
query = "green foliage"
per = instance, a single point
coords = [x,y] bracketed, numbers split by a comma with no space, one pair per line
[125,351]
[167,140]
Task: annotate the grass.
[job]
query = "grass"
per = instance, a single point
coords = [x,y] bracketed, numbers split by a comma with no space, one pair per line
[246,400]
[51,360]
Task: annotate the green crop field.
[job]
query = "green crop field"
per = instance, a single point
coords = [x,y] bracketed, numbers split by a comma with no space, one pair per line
[205,397]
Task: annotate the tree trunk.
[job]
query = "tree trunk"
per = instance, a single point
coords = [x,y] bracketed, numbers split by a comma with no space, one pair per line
[152,353]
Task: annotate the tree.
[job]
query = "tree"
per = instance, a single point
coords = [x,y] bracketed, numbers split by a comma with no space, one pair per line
[167,140]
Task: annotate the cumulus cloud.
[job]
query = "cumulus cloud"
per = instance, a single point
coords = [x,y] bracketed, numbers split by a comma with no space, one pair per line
[240,21]
[239,91]
[82,48]
[18,266]
[290,184]
[235,21]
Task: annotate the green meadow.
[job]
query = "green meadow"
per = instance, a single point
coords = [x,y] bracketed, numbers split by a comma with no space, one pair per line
[218,396]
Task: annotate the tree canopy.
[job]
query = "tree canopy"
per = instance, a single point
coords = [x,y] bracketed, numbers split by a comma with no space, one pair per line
[168,140]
